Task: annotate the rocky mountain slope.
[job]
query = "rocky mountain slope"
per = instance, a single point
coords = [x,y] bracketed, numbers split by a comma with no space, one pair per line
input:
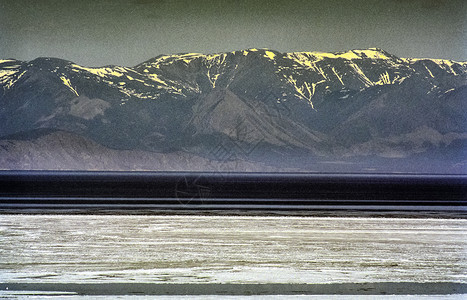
[288,110]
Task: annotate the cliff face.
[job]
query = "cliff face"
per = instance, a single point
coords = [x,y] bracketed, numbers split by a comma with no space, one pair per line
[259,107]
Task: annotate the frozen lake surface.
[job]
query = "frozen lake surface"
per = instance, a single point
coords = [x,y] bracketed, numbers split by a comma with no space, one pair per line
[230,249]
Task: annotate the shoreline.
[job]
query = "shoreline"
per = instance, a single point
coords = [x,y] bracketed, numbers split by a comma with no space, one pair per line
[329,213]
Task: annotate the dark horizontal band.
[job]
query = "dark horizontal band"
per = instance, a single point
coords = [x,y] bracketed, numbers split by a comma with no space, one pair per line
[242,190]
[375,288]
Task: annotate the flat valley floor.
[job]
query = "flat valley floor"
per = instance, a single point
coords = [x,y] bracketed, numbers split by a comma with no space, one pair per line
[138,254]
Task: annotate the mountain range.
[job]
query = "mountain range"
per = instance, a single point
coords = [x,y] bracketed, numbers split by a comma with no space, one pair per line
[251,110]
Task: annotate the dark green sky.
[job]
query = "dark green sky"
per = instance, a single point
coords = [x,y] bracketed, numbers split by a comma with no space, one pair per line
[127,32]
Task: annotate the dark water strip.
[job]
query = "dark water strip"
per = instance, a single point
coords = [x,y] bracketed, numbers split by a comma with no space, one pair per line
[190,186]
[228,207]
[375,288]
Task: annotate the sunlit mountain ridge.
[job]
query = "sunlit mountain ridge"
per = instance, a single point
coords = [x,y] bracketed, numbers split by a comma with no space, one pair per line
[298,109]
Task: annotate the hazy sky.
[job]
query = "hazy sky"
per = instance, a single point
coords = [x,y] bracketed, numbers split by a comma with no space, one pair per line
[127,32]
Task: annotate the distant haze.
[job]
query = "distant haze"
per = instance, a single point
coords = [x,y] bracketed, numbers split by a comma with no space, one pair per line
[126,32]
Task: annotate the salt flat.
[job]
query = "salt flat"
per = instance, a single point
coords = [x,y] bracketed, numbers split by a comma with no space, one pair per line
[230,249]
